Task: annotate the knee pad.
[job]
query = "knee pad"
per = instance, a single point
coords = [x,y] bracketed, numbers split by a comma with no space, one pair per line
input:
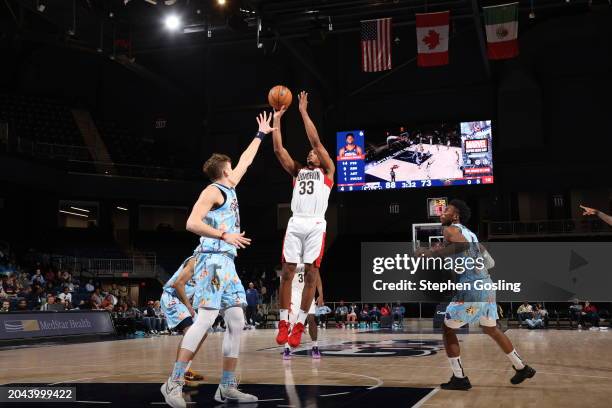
[198,329]
[234,320]
[453,324]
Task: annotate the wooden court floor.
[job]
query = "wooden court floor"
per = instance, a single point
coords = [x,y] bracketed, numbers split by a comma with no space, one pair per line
[574,368]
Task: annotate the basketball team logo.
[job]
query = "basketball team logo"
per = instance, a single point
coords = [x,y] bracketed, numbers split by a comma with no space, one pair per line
[384,348]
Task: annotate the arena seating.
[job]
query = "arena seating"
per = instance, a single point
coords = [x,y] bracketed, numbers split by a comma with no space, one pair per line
[41,120]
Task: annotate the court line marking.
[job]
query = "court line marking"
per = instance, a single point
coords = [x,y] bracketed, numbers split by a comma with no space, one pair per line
[94,402]
[423,400]
[333,395]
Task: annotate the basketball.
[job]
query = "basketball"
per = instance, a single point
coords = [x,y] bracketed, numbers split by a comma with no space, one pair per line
[278,96]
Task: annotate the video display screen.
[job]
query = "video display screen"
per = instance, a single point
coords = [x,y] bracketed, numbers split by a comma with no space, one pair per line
[443,154]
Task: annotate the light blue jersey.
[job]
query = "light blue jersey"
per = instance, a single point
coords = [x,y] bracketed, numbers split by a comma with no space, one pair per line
[472,273]
[225,218]
[217,283]
[172,307]
[470,306]
[190,285]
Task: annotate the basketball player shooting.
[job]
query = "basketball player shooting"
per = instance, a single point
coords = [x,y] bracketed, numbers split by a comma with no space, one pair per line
[470,306]
[305,236]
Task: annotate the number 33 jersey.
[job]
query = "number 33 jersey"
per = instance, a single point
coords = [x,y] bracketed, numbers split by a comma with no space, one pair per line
[311,188]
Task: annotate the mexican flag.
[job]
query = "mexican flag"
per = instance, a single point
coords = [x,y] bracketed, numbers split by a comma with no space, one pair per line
[501,24]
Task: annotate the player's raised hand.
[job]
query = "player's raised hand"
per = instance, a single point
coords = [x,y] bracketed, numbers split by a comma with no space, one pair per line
[237,240]
[263,120]
[588,210]
[279,113]
[303,98]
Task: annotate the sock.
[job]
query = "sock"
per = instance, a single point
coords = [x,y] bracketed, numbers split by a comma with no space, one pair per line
[188,365]
[287,346]
[228,378]
[315,344]
[284,314]
[515,359]
[178,373]
[302,315]
[455,363]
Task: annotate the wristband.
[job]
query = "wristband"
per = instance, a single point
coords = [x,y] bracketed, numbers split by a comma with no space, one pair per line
[260,135]
[221,237]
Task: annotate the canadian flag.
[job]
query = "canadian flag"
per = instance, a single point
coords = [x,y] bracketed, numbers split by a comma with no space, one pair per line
[432,38]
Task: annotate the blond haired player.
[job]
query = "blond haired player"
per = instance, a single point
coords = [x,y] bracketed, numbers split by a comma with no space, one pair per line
[305,236]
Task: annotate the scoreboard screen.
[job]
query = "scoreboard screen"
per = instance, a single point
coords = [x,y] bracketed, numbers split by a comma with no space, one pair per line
[436,206]
[440,154]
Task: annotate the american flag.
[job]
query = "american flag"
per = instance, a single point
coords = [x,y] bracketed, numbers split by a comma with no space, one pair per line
[376,45]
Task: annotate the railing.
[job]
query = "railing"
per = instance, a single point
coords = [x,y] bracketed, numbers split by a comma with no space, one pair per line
[78,159]
[137,266]
[52,150]
[548,228]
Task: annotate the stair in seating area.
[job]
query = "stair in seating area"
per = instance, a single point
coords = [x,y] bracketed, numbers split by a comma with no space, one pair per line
[93,141]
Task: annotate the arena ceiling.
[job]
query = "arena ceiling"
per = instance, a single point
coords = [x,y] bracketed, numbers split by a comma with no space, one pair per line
[98,24]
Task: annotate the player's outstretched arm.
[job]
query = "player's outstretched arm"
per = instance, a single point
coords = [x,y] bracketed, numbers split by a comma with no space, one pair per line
[210,197]
[246,158]
[291,166]
[592,211]
[179,285]
[313,136]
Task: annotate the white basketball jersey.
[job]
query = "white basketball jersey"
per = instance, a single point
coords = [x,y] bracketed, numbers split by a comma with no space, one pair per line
[311,190]
[297,285]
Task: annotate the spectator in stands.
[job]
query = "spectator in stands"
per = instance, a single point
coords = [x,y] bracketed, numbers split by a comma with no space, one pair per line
[398,313]
[23,279]
[575,311]
[37,278]
[89,286]
[341,313]
[50,276]
[590,315]
[385,316]
[161,318]
[351,317]
[149,318]
[49,304]
[524,312]
[114,290]
[535,321]
[252,297]
[66,276]
[541,313]
[123,292]
[364,314]
[22,305]
[65,296]
[8,284]
[70,285]
[6,306]
[108,302]
[96,298]
[375,314]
